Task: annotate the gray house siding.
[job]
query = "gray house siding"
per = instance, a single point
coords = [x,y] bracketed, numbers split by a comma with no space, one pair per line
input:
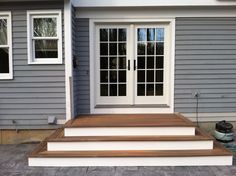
[81,73]
[76,61]
[205,63]
[36,91]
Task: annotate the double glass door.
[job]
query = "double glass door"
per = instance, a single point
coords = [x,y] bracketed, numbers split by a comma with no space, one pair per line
[132,64]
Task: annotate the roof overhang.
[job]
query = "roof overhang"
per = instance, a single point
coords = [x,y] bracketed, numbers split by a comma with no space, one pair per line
[29,0]
[151,3]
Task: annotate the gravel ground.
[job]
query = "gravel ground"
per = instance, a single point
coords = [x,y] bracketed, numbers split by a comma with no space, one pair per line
[13,162]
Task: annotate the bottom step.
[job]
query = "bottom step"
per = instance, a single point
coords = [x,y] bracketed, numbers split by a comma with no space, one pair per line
[132,161]
[217,156]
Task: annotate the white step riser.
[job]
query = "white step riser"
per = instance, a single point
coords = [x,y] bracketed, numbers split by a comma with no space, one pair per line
[123,145]
[133,161]
[130,131]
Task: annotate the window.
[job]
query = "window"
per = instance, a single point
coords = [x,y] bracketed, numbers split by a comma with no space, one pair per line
[5,46]
[44,37]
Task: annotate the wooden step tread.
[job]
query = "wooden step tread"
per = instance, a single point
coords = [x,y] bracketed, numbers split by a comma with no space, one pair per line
[217,151]
[200,135]
[130,120]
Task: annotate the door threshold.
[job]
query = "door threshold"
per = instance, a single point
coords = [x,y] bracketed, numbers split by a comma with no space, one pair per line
[134,106]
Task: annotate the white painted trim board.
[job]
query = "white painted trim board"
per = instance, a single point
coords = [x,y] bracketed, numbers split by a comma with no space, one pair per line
[133,161]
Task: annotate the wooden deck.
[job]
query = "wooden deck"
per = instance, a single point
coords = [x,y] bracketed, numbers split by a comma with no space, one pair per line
[130,120]
[205,151]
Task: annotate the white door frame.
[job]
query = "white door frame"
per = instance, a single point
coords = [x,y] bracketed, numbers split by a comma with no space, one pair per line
[129,109]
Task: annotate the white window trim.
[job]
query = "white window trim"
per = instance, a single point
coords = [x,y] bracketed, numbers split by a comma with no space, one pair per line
[92,45]
[44,13]
[7,15]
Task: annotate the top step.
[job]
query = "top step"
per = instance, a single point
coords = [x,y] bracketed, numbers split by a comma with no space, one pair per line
[130,120]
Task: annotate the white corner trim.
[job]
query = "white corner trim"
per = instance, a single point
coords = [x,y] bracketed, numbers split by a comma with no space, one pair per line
[91,66]
[172,66]
[68,59]
[8,16]
[44,13]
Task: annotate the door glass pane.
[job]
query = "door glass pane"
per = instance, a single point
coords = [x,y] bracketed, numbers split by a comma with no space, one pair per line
[159,90]
[151,34]
[159,34]
[113,89]
[4,60]
[122,89]
[141,76]
[150,90]
[113,76]
[150,75]
[141,62]
[150,48]
[122,34]
[3,31]
[122,76]
[103,63]
[160,48]
[122,48]
[104,90]
[150,61]
[159,75]
[113,35]
[122,63]
[160,62]
[113,61]
[103,34]
[104,76]
[45,27]
[141,48]
[104,49]
[46,49]
[142,34]
[141,89]
[113,48]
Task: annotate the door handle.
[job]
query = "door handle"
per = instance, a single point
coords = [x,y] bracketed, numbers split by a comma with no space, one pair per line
[134,65]
[128,64]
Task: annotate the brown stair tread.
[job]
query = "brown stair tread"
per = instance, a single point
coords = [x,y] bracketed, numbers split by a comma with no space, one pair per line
[130,120]
[200,135]
[217,151]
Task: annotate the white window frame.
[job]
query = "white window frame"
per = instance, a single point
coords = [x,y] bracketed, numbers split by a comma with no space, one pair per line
[44,14]
[7,15]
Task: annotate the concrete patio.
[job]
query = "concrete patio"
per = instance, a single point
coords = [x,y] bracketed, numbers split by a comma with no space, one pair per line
[13,162]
